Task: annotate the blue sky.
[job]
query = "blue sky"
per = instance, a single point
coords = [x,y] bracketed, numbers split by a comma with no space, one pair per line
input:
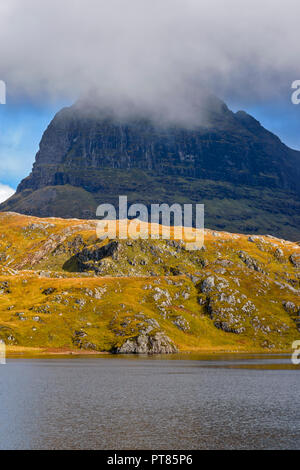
[279,116]
[21,128]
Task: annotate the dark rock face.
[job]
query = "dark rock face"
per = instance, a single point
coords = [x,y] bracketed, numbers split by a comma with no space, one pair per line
[233,148]
[89,259]
[97,253]
[88,157]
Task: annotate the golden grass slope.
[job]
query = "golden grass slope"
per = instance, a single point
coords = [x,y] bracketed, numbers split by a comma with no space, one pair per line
[237,293]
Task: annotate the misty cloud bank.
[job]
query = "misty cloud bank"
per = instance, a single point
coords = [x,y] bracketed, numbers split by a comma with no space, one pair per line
[5,192]
[149,54]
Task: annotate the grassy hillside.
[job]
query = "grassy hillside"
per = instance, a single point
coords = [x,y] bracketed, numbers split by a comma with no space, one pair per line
[62,288]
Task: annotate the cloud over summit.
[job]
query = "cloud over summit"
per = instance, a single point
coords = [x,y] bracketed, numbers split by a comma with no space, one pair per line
[148,51]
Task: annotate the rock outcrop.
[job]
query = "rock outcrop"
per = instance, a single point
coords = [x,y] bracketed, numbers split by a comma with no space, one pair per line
[146,344]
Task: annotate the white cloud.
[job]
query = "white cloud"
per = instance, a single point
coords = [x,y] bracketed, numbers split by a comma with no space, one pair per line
[5,192]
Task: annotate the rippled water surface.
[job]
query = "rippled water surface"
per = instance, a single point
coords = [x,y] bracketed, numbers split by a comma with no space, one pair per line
[203,402]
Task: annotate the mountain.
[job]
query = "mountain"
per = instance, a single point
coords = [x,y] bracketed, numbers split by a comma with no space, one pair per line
[63,289]
[246,177]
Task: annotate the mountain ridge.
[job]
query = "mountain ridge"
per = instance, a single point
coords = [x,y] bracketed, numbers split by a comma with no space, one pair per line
[90,156]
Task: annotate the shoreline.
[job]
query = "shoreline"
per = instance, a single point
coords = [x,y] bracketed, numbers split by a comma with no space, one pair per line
[19,352]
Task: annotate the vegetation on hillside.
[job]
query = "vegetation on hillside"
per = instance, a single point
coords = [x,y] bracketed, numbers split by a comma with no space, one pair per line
[63,288]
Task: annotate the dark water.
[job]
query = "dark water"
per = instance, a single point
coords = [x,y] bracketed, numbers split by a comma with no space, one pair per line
[209,402]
